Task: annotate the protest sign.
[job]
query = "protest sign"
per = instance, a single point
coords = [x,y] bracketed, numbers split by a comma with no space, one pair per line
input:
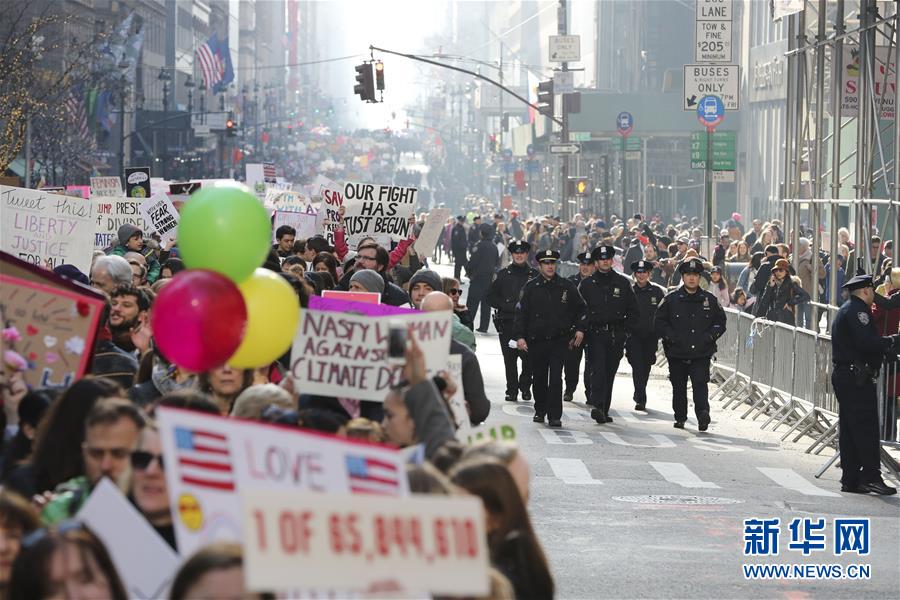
[144,561]
[475,435]
[106,187]
[111,214]
[137,182]
[458,401]
[379,211]
[431,231]
[162,216]
[257,175]
[303,223]
[211,459]
[49,321]
[78,191]
[420,544]
[357,308]
[364,297]
[47,229]
[349,351]
[160,185]
[287,201]
[329,216]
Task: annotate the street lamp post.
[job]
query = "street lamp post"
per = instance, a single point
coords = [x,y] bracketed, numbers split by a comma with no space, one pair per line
[123,94]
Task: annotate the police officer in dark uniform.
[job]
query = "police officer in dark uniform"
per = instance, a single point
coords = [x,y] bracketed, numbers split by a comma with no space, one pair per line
[482,266]
[857,351]
[642,343]
[503,296]
[690,320]
[546,314]
[573,360]
[612,312]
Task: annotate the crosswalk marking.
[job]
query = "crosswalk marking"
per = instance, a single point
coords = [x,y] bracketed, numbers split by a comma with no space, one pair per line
[572,470]
[790,479]
[679,473]
[661,440]
[627,417]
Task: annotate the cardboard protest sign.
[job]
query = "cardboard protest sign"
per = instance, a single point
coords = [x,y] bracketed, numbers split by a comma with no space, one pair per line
[145,562]
[49,321]
[431,231]
[111,214]
[458,401]
[43,228]
[162,216]
[106,187]
[329,216]
[288,201]
[303,223]
[364,297]
[257,175]
[137,182]
[379,211]
[420,544]
[346,351]
[211,459]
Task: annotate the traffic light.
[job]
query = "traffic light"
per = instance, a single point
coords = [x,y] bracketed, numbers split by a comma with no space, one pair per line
[545,98]
[230,128]
[579,186]
[379,75]
[365,84]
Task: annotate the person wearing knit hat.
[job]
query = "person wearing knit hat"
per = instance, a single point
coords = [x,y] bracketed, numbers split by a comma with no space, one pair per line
[367,280]
[422,283]
[131,239]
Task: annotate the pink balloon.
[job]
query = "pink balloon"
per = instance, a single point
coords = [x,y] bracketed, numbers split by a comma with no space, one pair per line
[199,320]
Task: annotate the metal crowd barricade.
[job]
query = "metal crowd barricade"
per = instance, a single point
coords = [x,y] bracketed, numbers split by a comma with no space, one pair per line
[803,381]
[726,356]
[732,387]
[780,378]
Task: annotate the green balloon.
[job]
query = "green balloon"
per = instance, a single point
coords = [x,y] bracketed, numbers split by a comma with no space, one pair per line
[226,230]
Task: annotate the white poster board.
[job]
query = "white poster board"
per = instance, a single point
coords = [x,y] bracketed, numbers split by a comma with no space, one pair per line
[334,350]
[211,459]
[379,211]
[111,214]
[415,545]
[303,223]
[458,401]
[431,231]
[106,187]
[43,228]
[145,562]
[162,216]
[329,212]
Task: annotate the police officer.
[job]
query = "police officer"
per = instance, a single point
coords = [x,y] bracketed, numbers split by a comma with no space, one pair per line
[690,320]
[546,314]
[642,343]
[482,265]
[573,360]
[857,350]
[503,296]
[611,313]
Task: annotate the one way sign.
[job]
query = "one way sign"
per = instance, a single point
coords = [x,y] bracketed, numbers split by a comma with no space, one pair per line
[712,80]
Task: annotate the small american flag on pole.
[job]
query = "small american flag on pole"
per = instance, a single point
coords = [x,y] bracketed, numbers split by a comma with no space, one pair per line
[214,59]
[372,476]
[203,459]
[78,114]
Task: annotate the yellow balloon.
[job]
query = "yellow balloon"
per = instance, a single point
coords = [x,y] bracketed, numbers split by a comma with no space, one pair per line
[273,313]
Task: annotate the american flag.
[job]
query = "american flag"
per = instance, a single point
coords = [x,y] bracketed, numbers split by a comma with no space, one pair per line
[372,476]
[203,459]
[214,58]
[78,114]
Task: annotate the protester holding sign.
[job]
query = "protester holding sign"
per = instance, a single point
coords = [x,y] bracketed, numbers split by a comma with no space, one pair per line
[396,255]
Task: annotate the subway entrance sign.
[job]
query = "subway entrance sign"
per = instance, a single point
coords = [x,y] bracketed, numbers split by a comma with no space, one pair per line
[712,80]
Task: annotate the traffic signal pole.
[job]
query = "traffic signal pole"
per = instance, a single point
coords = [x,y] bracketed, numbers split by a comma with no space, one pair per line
[562,29]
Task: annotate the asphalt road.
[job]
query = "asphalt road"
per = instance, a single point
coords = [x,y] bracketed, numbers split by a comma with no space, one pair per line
[638,509]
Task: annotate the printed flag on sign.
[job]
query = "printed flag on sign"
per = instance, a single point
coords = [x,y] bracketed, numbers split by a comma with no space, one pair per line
[203,459]
[372,476]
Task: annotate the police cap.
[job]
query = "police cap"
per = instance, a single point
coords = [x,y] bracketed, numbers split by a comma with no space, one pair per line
[584,258]
[857,282]
[603,253]
[547,256]
[516,246]
[641,266]
[694,265]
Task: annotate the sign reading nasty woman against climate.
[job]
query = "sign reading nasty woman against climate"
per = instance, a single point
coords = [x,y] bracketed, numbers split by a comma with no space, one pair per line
[349,351]
[46,229]
[378,211]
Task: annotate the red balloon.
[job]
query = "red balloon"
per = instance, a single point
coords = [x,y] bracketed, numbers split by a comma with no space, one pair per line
[199,319]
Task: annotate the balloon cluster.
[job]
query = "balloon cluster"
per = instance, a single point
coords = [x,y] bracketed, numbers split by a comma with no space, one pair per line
[224,308]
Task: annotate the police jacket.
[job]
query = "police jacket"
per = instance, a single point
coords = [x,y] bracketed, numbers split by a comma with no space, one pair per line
[483,260]
[459,241]
[610,301]
[854,336]
[690,324]
[504,292]
[547,309]
[648,299]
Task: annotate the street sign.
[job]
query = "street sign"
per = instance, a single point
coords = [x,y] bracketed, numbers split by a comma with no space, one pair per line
[633,155]
[712,80]
[563,82]
[630,143]
[579,136]
[565,48]
[723,176]
[723,150]
[565,148]
[624,123]
[710,111]
[712,41]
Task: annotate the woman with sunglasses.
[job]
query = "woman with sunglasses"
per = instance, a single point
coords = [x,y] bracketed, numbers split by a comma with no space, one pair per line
[780,296]
[148,484]
[453,289]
